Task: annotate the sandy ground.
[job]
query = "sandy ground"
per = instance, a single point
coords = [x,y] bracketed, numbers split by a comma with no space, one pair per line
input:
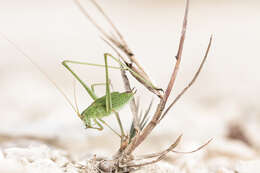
[39,131]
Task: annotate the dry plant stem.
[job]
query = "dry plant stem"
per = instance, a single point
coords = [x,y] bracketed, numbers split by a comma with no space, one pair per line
[162,156]
[156,117]
[191,82]
[122,46]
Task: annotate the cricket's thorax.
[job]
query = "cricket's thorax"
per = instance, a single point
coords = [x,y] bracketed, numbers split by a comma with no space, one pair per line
[98,108]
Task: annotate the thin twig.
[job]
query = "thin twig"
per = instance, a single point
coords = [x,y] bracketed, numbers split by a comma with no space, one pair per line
[191,82]
[179,54]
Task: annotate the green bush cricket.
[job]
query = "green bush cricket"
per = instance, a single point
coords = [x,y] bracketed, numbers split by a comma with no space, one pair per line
[105,105]
[102,106]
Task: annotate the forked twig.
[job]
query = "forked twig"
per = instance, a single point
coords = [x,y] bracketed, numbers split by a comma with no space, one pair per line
[191,82]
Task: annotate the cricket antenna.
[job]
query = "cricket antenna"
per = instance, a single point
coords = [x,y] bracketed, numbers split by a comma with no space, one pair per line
[41,70]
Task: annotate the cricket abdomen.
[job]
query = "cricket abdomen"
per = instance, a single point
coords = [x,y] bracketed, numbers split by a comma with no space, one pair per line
[98,108]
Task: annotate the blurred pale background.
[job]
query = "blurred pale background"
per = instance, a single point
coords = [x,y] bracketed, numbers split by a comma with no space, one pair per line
[53,30]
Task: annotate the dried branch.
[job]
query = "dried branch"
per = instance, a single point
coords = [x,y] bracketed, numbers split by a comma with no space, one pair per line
[191,82]
[156,118]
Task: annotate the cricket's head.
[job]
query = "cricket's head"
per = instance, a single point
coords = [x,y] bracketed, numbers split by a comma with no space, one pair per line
[85,118]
